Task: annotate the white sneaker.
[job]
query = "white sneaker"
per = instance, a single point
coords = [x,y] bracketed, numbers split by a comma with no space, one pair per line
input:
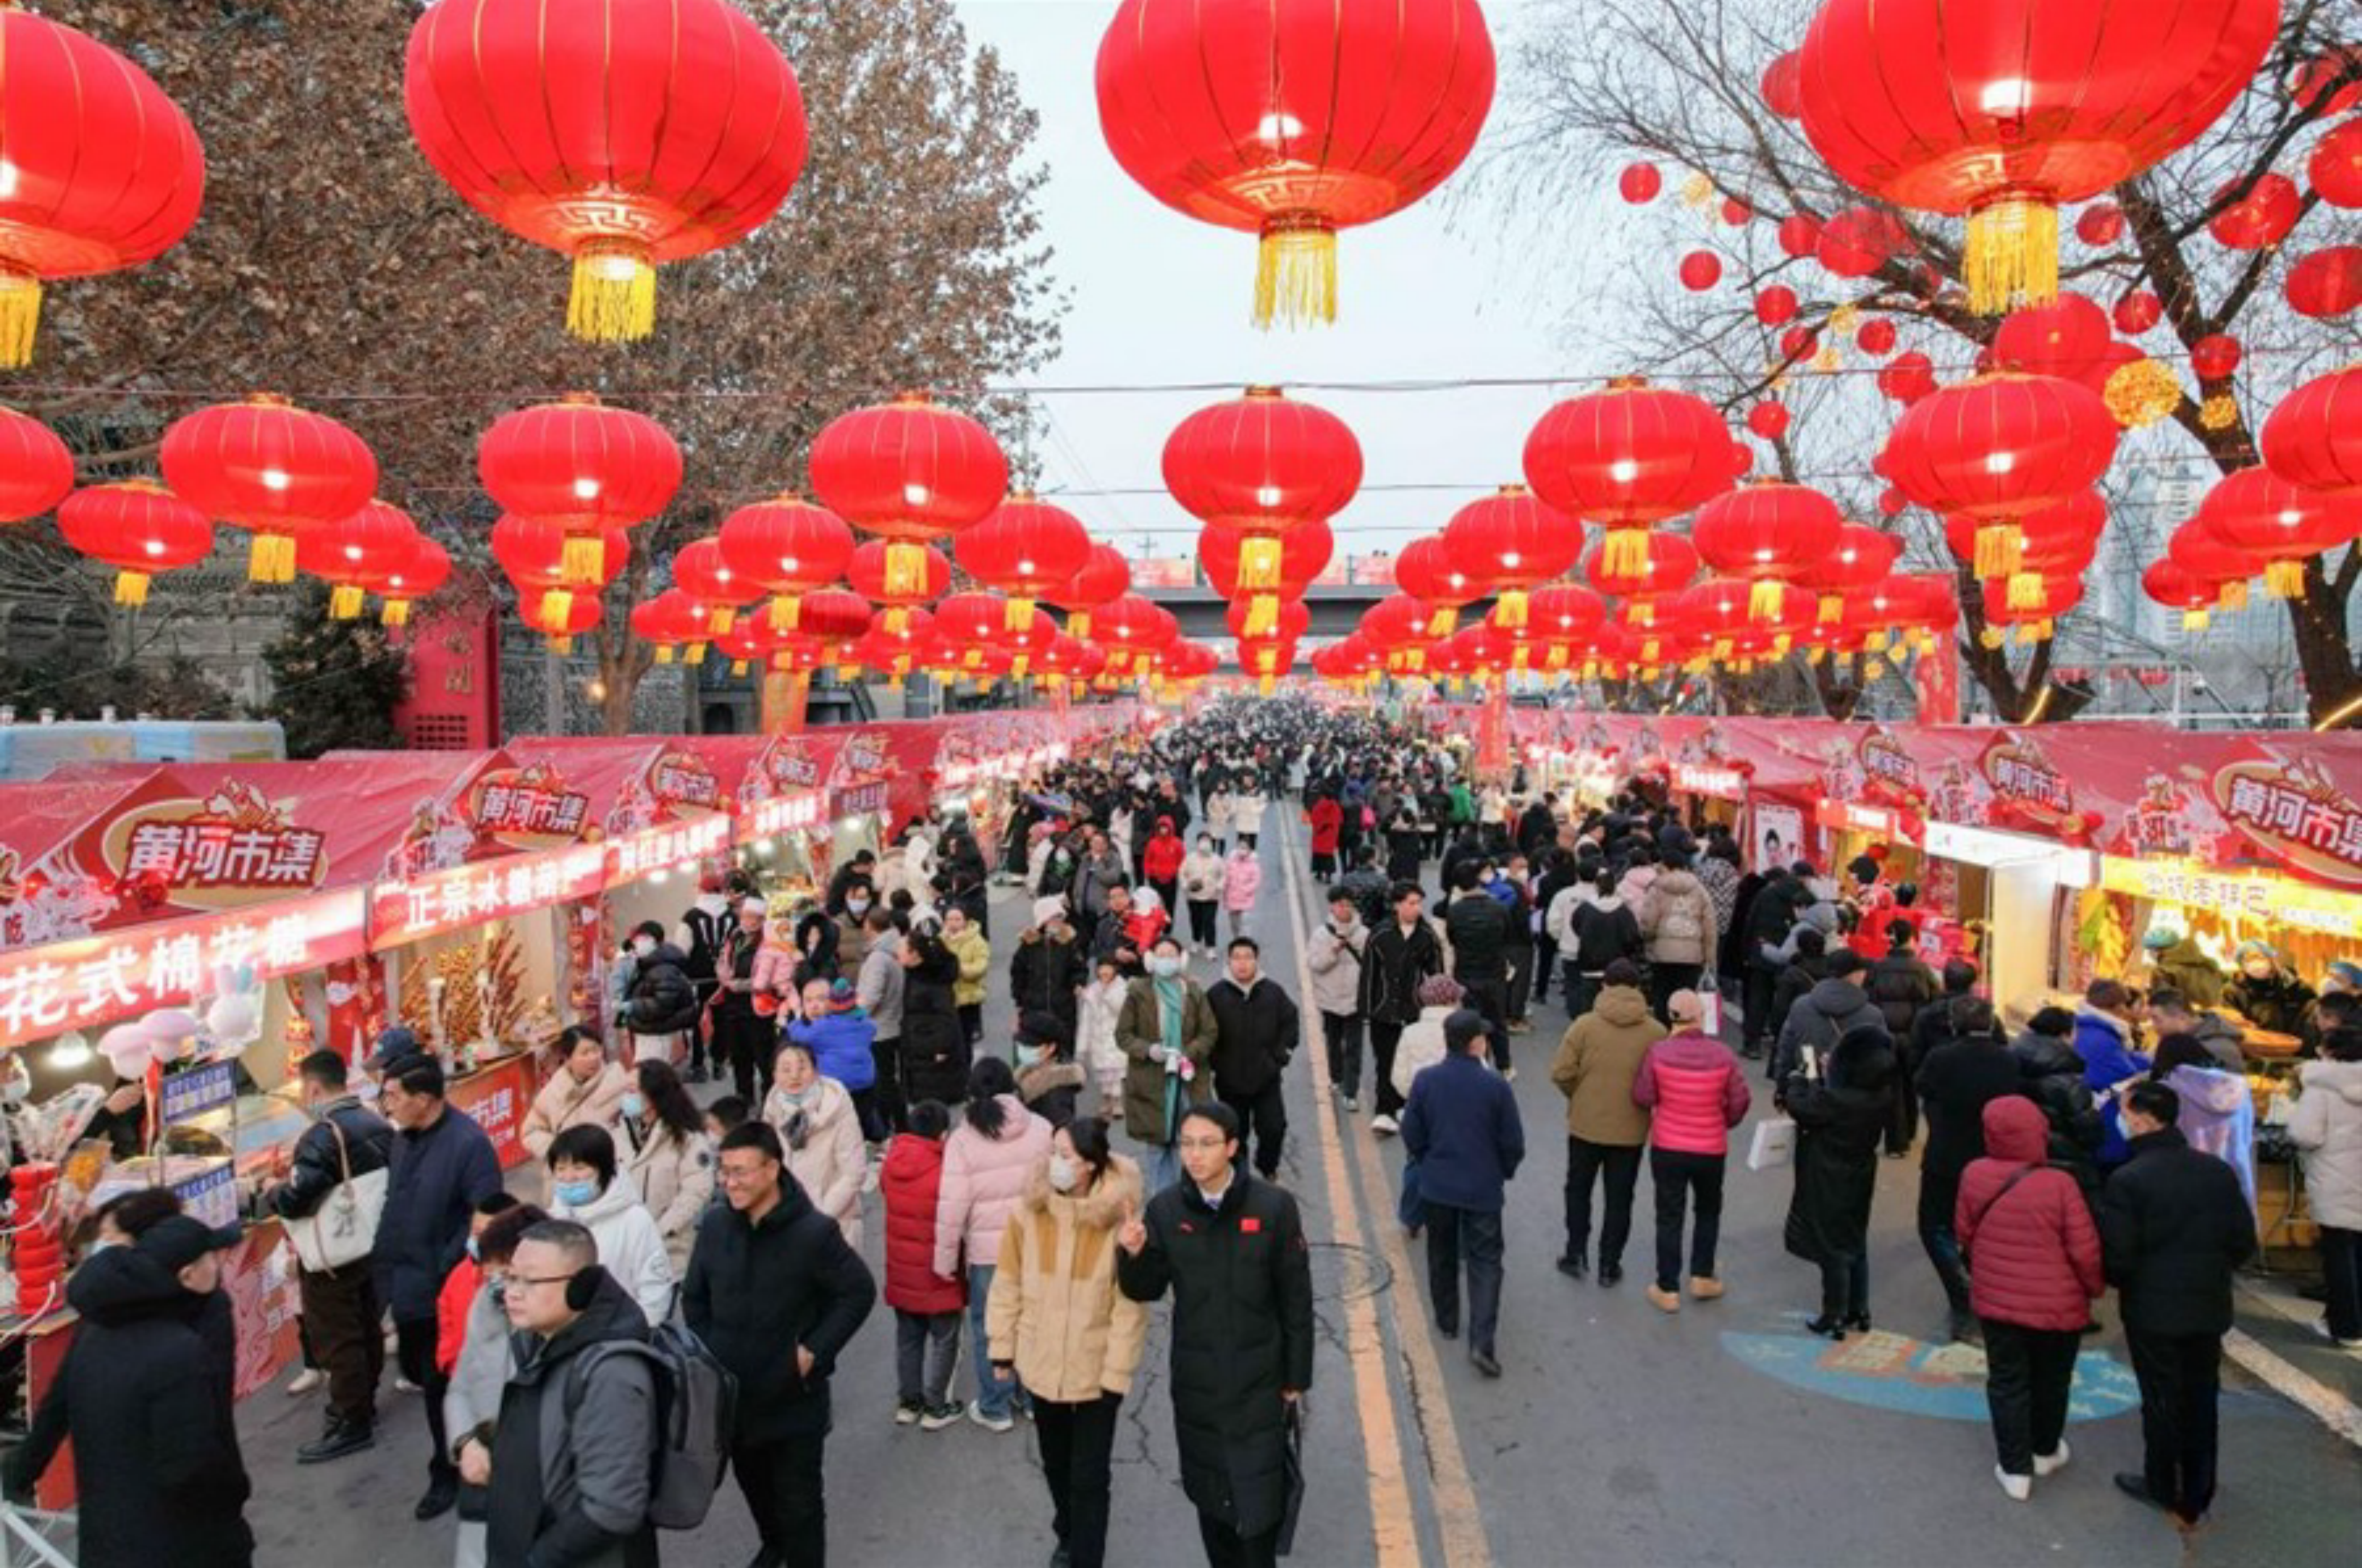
[990,1423]
[303,1382]
[403,1385]
[2051,1463]
[1384,1125]
[2019,1487]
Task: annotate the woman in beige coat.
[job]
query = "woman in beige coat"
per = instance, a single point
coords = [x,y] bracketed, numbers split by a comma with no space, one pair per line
[816,1122]
[1056,1320]
[671,1157]
[586,1090]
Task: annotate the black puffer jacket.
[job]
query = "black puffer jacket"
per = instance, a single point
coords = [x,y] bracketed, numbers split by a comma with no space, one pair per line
[756,1291]
[2173,1225]
[1257,1030]
[1395,965]
[1241,1283]
[2051,1074]
[663,999]
[1899,986]
[933,1043]
[317,1168]
[1478,924]
[1840,1120]
[145,1395]
[1042,974]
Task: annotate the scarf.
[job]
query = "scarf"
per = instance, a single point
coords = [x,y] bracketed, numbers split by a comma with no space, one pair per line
[1170,998]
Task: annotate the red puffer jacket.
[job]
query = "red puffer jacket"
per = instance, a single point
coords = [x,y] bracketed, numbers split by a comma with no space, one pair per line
[2034,1253]
[909,1180]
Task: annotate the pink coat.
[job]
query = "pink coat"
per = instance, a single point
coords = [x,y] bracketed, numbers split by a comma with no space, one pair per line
[775,969]
[983,1180]
[1242,879]
[1696,1088]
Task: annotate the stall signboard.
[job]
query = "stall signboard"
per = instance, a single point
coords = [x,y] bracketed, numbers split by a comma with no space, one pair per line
[183,1096]
[658,848]
[1879,821]
[797,812]
[210,1196]
[683,781]
[496,1100]
[2029,789]
[97,980]
[232,848]
[1987,848]
[860,798]
[1702,778]
[526,808]
[862,779]
[1776,833]
[2296,813]
[2258,897]
[1889,772]
[472,895]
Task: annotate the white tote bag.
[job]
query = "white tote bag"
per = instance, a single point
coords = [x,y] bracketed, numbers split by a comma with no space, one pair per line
[1774,1143]
[343,1230]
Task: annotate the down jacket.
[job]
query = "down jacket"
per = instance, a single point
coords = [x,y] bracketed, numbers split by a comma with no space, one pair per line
[984,1177]
[2327,1126]
[1336,960]
[564,1103]
[2104,1043]
[1696,1088]
[910,1182]
[663,999]
[840,1046]
[2034,1253]
[631,1249]
[830,1160]
[1840,1120]
[318,1167]
[1677,915]
[1054,1310]
[675,1177]
[1596,1062]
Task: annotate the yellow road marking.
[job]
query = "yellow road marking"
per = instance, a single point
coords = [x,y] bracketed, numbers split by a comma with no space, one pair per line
[1459,1522]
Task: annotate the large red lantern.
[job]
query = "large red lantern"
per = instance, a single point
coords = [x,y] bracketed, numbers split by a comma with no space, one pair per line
[140,528]
[1997,448]
[1862,556]
[2005,109]
[2174,588]
[583,466]
[1666,567]
[1629,455]
[704,573]
[36,469]
[2335,167]
[1293,119]
[2254,509]
[1263,464]
[2058,536]
[1425,571]
[789,548]
[2325,284]
[2313,438]
[1103,579]
[2200,551]
[358,554]
[623,133]
[671,621]
[100,170]
[907,471]
[1026,548]
[1511,542]
[428,569]
[271,468]
[1767,534]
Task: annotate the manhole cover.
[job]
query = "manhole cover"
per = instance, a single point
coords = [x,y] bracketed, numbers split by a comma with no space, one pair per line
[1345,1274]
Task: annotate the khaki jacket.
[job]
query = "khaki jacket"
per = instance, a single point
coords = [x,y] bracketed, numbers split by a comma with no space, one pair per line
[1138,1030]
[1054,1310]
[1598,1060]
[563,1103]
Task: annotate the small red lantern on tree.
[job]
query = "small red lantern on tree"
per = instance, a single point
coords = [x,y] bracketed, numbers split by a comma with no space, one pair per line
[2327,283]
[140,528]
[2335,167]
[1639,183]
[271,468]
[36,469]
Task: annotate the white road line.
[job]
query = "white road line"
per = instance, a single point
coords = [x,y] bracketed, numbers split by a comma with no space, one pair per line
[2325,1404]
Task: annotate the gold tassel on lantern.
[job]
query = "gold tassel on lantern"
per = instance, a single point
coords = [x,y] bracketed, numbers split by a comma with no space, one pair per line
[1078,624]
[346,602]
[1018,616]
[2234,596]
[896,619]
[2194,619]
[1992,637]
[1443,621]
[556,605]
[786,611]
[1644,612]
[2011,255]
[1764,600]
[1509,608]
[906,569]
[1625,553]
[132,588]
[1832,610]
[664,653]
[614,296]
[2025,591]
[2285,580]
[20,316]
[1263,615]
[1875,641]
[1781,643]
[271,558]
[1722,648]
[717,620]
[693,654]
[1296,272]
[583,560]
[396,612]
[1259,562]
[2000,546]
[562,646]
[737,666]
[1650,648]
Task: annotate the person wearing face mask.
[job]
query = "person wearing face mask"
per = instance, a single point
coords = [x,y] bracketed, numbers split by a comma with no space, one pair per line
[741,1037]
[586,1090]
[661,1007]
[588,1187]
[2265,992]
[1166,1031]
[985,1163]
[852,918]
[476,1345]
[822,1135]
[670,1156]
[340,1304]
[1055,1323]
[1049,1079]
[699,936]
[145,1395]
[1201,889]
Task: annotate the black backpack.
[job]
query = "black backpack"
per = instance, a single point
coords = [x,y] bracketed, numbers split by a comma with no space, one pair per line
[696,1412]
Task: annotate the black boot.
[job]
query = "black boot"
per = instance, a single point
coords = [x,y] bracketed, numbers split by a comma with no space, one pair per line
[341,1437]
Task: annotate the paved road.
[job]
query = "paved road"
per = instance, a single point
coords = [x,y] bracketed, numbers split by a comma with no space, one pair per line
[1618,1436]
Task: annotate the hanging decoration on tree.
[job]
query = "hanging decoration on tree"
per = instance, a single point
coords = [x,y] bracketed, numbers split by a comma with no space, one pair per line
[623,133]
[276,470]
[1293,119]
[2313,438]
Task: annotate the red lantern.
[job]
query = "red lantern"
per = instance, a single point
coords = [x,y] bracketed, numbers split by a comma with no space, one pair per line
[1291,621]
[1511,542]
[2256,509]
[2313,438]
[1892,502]
[1781,87]
[2000,446]
[1427,571]
[833,615]
[1798,344]
[788,548]
[137,527]
[1026,548]
[1908,377]
[428,569]
[560,615]
[2068,338]
[1767,534]
[2174,588]
[1263,464]
[2327,283]
[1861,556]
[972,623]
[703,572]
[357,554]
[671,621]
[892,646]
[1103,579]
[583,466]
[1293,119]
[893,584]
[2198,550]
[623,133]
[1639,183]
[2100,224]
[2336,169]
[1799,234]
[2339,63]
[1858,241]
[1562,618]
[1735,212]
[907,471]
[1768,420]
[2036,540]
[1629,456]
[36,469]
[2261,216]
[2034,612]
[536,554]
[2137,312]
[1875,337]
[2005,109]
[1775,304]
[271,468]
[1700,271]
[101,171]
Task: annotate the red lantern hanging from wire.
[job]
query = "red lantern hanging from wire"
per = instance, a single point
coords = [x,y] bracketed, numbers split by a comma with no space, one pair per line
[36,469]
[358,554]
[1998,447]
[703,572]
[1767,534]
[907,471]
[271,468]
[895,588]
[1026,548]
[1511,542]
[1627,457]
[2253,509]
[583,466]
[426,570]
[788,548]
[140,528]
[1425,571]
[1105,578]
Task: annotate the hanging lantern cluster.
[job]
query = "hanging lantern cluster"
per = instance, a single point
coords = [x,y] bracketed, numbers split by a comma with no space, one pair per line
[585,468]
[1767,536]
[908,472]
[358,556]
[1027,548]
[789,548]
[1511,542]
[1264,466]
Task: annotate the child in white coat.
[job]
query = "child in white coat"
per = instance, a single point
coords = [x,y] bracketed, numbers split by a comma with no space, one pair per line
[1095,1042]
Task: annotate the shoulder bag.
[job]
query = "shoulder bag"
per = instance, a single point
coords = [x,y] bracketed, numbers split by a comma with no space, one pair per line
[343,1228]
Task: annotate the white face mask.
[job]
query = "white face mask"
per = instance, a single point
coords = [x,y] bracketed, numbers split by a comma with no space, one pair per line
[1062,1173]
[643,945]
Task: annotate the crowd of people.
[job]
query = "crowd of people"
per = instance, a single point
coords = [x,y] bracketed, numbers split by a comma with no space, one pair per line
[1031,1197]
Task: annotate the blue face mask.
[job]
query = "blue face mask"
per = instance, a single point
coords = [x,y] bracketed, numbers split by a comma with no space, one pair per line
[472,1250]
[575,1193]
[634,1106]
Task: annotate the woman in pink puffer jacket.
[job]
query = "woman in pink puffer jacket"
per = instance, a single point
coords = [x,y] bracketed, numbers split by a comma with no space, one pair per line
[775,966]
[987,1163]
[1242,881]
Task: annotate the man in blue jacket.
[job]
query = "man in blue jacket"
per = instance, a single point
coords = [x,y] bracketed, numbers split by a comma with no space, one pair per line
[443,1166]
[2103,1038]
[1462,1127]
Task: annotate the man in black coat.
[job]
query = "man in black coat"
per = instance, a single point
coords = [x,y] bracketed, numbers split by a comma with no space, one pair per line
[1958,1079]
[1901,987]
[2174,1224]
[777,1295]
[1770,913]
[1231,1249]
[1258,1028]
[340,1304]
[1404,950]
[443,1166]
[1478,926]
[145,1396]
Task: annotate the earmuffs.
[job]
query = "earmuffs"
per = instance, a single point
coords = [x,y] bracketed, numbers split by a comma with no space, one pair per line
[583,1288]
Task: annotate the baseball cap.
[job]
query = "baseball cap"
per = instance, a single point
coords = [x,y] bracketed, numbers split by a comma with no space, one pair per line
[177,1240]
[398,1043]
[1686,1007]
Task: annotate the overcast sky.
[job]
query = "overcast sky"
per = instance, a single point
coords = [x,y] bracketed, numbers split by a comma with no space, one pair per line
[1157,298]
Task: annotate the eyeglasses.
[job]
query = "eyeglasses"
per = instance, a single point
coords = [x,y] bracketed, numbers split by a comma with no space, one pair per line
[517,1279]
[743,1173]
